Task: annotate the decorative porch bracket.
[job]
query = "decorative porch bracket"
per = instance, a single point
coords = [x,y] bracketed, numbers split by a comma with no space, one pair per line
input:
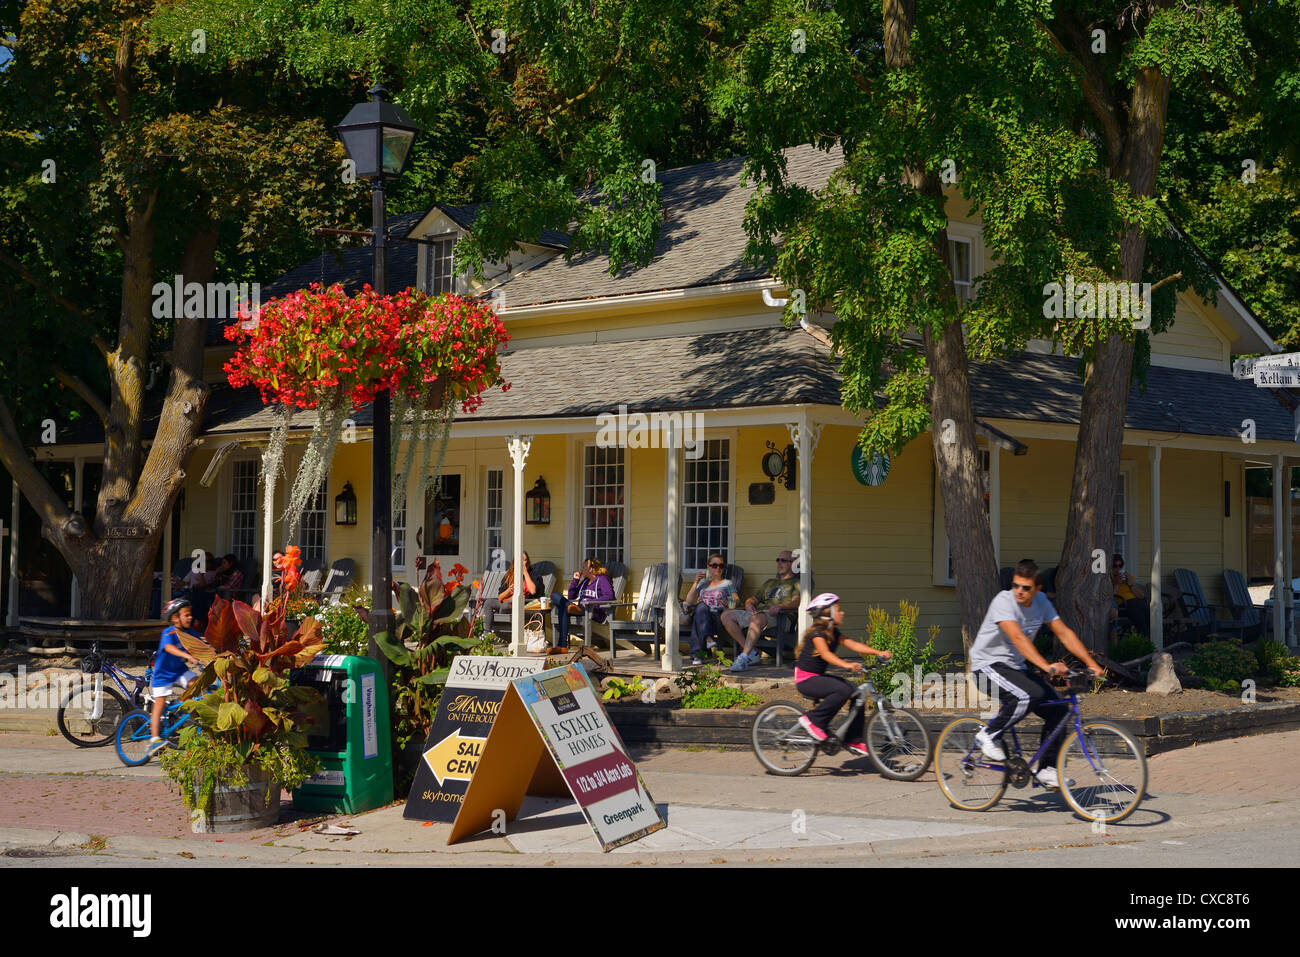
[519,446]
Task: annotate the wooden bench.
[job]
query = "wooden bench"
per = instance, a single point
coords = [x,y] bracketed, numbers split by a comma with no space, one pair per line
[75,635]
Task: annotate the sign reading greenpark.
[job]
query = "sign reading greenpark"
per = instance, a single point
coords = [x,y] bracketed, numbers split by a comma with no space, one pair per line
[869,470]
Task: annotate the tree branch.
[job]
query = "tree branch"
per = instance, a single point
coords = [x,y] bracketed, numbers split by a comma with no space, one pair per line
[13,455]
[1167,280]
[31,280]
[85,393]
[1093,82]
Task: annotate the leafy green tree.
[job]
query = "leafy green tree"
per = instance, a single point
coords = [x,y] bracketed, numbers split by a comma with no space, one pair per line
[127,168]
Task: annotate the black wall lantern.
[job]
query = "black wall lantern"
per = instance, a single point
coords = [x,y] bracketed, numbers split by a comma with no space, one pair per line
[781,466]
[345,506]
[538,503]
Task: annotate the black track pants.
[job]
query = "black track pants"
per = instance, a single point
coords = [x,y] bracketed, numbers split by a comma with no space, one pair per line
[1021,692]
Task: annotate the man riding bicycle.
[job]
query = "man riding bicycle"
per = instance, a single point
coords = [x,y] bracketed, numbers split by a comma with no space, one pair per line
[1003,646]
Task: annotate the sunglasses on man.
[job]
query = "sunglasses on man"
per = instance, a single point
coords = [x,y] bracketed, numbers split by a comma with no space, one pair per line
[784,561]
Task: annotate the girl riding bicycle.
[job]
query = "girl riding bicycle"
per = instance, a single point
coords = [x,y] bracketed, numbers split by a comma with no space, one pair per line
[815,651]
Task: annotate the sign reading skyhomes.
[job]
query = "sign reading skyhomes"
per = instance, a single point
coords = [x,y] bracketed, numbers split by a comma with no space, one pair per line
[869,470]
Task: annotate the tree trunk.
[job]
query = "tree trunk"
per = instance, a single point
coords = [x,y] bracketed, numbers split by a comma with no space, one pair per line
[1083,580]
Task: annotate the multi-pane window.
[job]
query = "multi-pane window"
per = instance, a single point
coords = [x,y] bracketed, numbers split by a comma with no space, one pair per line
[438,262]
[604,514]
[243,508]
[959,255]
[399,525]
[494,513]
[311,530]
[1119,545]
[707,504]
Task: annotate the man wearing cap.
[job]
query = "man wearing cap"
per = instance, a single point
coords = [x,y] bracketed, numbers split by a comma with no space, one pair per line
[775,595]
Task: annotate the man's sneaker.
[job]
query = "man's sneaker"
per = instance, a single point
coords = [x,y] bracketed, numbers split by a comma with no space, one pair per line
[857,747]
[696,661]
[806,723]
[1047,777]
[741,663]
[991,748]
[711,645]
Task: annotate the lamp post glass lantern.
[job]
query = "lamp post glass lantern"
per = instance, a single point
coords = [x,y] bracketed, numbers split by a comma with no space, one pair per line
[378,137]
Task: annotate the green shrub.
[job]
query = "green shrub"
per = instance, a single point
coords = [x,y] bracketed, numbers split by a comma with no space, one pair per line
[1269,653]
[618,688]
[344,630]
[703,688]
[1130,647]
[1222,661]
[898,636]
[1227,684]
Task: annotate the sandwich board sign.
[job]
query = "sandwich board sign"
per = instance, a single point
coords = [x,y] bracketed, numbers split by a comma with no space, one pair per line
[552,736]
[469,703]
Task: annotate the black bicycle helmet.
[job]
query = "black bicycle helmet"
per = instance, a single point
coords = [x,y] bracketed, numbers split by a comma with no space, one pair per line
[173,606]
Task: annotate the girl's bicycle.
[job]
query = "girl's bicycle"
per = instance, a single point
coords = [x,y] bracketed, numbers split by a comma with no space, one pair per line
[897,740]
[1102,768]
[88,716]
[133,733]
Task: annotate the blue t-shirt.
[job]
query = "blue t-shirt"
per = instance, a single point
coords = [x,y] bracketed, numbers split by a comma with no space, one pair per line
[992,644]
[166,666]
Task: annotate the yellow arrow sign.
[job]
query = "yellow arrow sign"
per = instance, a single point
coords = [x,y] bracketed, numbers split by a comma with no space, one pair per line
[454,757]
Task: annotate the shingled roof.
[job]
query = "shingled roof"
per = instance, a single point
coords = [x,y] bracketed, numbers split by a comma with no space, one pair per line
[701,242]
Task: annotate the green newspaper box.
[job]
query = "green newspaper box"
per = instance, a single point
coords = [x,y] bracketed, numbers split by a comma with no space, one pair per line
[354,747]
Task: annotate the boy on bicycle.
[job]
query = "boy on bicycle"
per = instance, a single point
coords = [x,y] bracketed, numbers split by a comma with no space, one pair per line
[1003,646]
[170,672]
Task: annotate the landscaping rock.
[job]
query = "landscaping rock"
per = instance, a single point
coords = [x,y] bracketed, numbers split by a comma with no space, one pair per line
[1161,679]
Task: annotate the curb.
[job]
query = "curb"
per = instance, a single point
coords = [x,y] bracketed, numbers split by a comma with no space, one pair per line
[647,725]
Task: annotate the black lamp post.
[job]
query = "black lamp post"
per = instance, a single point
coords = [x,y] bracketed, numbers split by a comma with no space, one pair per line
[378,136]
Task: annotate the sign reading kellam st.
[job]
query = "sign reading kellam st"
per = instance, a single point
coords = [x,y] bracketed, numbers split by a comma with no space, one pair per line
[1271,372]
[553,737]
[468,706]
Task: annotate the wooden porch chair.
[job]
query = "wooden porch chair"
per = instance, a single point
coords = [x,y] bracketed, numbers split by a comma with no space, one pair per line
[1200,612]
[1240,604]
[645,625]
[543,578]
[339,578]
[489,587]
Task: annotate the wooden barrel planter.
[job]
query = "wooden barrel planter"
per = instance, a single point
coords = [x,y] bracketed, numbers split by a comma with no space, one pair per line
[243,807]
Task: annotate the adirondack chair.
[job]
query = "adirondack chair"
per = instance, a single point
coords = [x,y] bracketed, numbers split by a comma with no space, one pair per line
[734,574]
[617,572]
[1200,612]
[1240,604]
[336,582]
[490,586]
[543,578]
[645,625]
[312,572]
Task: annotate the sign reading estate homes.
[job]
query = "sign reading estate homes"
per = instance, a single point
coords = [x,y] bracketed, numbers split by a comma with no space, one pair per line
[552,735]
[469,704]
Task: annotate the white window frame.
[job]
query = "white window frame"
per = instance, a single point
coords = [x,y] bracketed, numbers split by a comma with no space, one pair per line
[400,518]
[432,253]
[971,235]
[324,512]
[579,496]
[227,513]
[731,437]
[1128,475]
[486,528]
[942,547]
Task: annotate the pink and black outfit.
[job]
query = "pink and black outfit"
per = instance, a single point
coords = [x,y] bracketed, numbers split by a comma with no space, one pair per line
[812,681]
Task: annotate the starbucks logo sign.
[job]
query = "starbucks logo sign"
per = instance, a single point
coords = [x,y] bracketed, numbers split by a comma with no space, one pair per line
[869,469]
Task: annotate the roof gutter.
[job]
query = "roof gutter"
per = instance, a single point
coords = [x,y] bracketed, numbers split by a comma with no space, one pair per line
[638,298]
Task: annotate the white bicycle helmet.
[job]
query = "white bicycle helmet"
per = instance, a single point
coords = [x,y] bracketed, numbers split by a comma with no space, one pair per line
[823,601]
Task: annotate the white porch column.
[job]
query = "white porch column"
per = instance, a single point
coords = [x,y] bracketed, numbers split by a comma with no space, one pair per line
[1289,571]
[519,446]
[1157,609]
[77,475]
[672,653]
[268,509]
[12,618]
[1281,586]
[805,436]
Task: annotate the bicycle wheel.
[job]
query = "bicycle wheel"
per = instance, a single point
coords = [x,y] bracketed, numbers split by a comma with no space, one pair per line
[964,774]
[782,746]
[133,739]
[75,720]
[1109,770]
[900,745]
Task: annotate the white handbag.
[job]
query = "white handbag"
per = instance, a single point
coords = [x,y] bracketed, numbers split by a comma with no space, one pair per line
[535,635]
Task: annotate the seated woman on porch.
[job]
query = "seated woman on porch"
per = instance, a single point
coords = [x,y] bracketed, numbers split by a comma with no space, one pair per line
[501,603]
[714,597]
[591,584]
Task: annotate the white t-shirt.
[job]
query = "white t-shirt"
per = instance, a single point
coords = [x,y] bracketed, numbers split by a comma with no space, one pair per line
[992,644]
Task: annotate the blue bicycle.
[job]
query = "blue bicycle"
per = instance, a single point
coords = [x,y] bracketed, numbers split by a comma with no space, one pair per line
[1102,768]
[133,734]
[89,715]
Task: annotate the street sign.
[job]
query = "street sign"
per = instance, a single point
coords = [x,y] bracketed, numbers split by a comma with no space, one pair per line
[466,710]
[552,735]
[1275,377]
[1245,368]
